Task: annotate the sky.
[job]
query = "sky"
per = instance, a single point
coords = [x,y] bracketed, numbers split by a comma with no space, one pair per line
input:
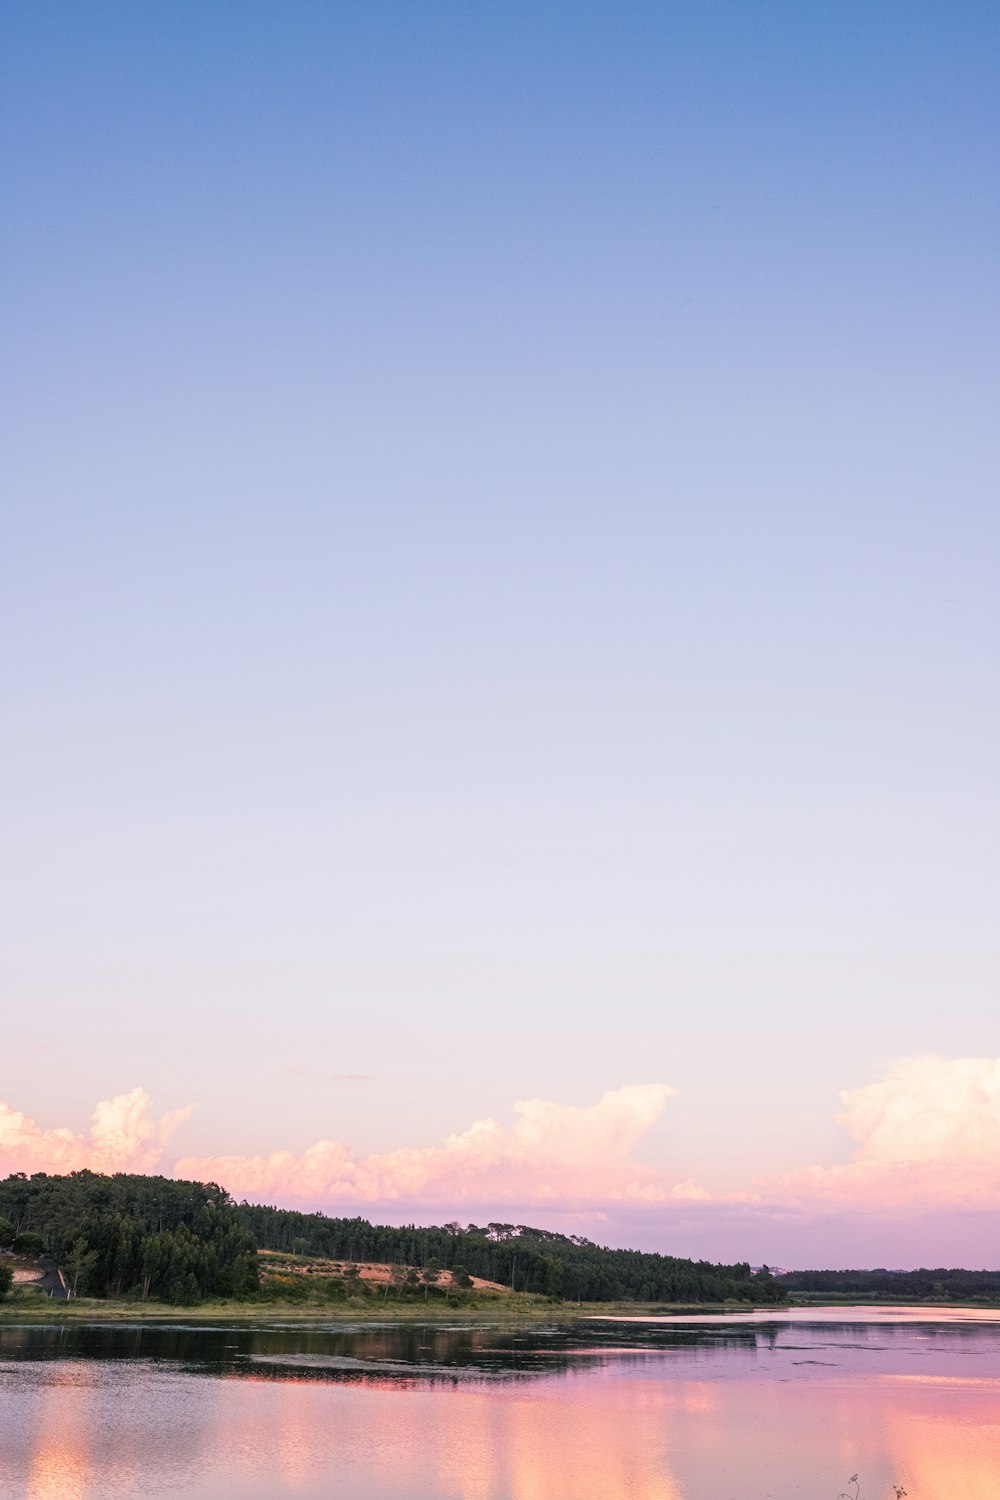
[498,613]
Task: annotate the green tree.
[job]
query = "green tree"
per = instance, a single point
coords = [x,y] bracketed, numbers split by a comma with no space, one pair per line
[429,1275]
[555,1277]
[6,1280]
[766,1288]
[189,1290]
[78,1263]
[7,1233]
[245,1276]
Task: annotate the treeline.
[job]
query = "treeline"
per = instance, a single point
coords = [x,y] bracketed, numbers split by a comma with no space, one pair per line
[925,1285]
[131,1236]
[128,1236]
[526,1259]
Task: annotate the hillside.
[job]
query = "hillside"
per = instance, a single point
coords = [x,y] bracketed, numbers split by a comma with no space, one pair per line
[309,1278]
[131,1236]
[517,1256]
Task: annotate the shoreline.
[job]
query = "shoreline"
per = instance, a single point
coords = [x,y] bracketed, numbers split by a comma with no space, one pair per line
[506,1310]
[510,1309]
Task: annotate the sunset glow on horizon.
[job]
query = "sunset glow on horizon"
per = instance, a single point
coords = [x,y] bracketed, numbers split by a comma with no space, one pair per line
[927,1140]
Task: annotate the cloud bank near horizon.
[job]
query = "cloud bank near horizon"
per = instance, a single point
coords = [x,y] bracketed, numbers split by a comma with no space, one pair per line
[123,1138]
[553,1154]
[928,1137]
[927,1134]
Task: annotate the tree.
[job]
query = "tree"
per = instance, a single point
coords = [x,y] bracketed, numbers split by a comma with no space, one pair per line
[461,1278]
[7,1233]
[555,1276]
[78,1262]
[765,1288]
[6,1280]
[429,1275]
[29,1243]
[245,1276]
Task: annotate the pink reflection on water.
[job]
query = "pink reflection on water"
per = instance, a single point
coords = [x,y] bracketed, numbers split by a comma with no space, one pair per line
[60,1464]
[849,1313]
[788,1423]
[947,1434]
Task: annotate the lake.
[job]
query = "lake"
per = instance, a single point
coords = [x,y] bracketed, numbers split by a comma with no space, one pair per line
[777,1406]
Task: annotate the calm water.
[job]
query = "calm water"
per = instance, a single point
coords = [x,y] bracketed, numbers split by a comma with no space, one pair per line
[746,1408]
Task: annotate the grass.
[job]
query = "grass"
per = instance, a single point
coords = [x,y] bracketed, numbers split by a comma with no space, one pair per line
[479,1307]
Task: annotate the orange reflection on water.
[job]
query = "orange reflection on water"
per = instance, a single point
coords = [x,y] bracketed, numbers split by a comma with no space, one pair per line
[296,1437]
[945,1436]
[531,1447]
[589,1439]
[60,1465]
[638,1430]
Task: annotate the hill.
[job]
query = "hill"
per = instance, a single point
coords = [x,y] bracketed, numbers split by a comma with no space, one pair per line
[130,1236]
[519,1256]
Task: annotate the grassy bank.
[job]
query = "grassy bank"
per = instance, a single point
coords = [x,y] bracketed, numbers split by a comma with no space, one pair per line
[512,1308]
[509,1307]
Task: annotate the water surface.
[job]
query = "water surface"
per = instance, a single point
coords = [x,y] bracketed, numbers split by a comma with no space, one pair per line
[775,1406]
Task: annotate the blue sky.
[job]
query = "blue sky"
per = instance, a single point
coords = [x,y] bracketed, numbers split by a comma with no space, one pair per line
[499,572]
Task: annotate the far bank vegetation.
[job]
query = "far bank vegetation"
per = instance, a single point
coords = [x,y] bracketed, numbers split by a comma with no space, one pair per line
[135,1238]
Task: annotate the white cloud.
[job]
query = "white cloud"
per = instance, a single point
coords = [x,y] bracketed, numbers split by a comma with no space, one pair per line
[929,1109]
[123,1138]
[927,1138]
[553,1154]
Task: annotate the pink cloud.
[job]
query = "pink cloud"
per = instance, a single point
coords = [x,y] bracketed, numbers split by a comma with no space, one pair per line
[554,1154]
[928,1137]
[927,1144]
[929,1109]
[123,1138]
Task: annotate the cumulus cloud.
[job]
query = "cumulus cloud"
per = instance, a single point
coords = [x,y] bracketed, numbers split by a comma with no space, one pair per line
[929,1109]
[928,1136]
[123,1138]
[555,1154]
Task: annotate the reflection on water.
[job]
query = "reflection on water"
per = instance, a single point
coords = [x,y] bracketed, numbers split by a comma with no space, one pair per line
[657,1411]
[60,1462]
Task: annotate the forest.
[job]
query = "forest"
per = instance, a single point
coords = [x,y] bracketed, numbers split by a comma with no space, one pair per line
[925,1285]
[525,1259]
[131,1236]
[127,1236]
